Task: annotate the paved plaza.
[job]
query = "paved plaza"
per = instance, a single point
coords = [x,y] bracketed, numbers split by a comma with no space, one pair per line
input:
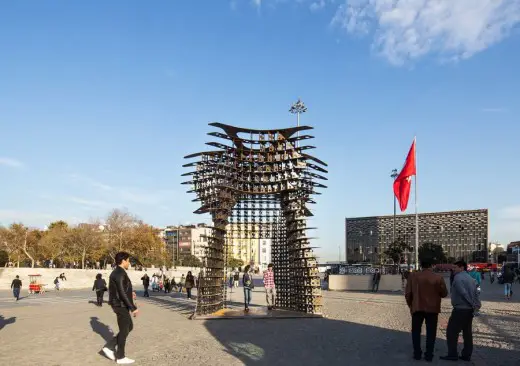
[359,329]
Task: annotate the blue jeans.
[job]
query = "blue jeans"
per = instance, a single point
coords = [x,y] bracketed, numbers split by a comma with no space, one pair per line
[16,293]
[247,297]
[507,289]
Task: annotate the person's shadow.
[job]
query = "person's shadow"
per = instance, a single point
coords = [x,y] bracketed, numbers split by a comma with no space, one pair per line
[4,321]
[102,329]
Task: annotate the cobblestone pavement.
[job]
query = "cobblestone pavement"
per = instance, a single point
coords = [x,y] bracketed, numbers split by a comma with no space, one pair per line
[359,329]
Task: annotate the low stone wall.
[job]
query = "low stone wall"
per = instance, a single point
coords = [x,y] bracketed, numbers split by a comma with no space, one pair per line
[363,283]
[79,278]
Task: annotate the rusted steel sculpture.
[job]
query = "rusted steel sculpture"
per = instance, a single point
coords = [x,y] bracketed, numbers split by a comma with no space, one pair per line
[258,184]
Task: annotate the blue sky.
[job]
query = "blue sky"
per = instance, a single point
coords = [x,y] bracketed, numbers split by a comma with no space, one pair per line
[99,102]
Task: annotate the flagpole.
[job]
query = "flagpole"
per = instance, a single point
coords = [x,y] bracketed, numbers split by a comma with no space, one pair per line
[416,214]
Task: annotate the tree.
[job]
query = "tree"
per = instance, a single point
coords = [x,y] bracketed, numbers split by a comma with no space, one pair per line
[117,226]
[396,249]
[145,245]
[234,263]
[433,253]
[85,241]
[23,241]
[190,261]
[54,241]
[8,245]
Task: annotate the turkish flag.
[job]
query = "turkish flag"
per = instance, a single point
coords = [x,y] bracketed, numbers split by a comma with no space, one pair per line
[403,181]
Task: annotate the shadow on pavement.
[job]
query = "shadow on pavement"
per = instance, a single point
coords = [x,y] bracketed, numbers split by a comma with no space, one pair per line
[181,305]
[102,329]
[330,342]
[4,321]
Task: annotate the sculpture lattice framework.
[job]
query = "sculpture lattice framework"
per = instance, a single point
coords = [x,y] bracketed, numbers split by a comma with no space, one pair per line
[258,184]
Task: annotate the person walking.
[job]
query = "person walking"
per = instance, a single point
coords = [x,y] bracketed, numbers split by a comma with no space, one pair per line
[509,278]
[247,280]
[121,298]
[100,286]
[236,279]
[16,285]
[423,294]
[270,288]
[465,302]
[146,284]
[189,284]
[376,278]
[181,283]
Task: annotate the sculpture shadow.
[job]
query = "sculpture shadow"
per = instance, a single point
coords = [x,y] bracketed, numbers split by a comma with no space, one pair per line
[181,305]
[328,342]
[4,321]
[100,328]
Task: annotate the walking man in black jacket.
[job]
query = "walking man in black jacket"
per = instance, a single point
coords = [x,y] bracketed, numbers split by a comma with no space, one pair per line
[121,298]
[16,285]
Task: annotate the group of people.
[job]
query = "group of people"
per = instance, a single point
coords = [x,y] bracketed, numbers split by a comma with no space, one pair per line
[423,293]
[269,285]
[164,283]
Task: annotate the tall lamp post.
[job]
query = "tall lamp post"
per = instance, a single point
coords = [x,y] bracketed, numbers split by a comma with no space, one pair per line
[298,108]
[394,176]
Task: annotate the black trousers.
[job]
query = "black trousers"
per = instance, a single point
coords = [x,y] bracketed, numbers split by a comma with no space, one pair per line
[431,320]
[99,295]
[188,291]
[460,321]
[125,325]
[146,294]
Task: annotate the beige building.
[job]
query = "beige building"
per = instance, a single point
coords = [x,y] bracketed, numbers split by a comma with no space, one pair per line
[253,251]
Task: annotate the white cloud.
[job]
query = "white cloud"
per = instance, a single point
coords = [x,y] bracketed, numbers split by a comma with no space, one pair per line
[27,217]
[409,29]
[510,213]
[91,182]
[86,202]
[257,3]
[317,5]
[494,110]
[13,163]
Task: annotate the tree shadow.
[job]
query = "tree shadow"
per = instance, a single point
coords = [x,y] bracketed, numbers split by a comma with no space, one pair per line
[102,329]
[4,321]
[322,341]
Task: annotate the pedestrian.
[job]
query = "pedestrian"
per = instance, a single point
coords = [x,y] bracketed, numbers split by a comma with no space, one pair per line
[376,278]
[166,285]
[423,294]
[270,288]
[465,302]
[181,283]
[146,284]
[509,278]
[190,283]
[57,283]
[100,286]
[236,279]
[121,297]
[247,280]
[492,276]
[16,285]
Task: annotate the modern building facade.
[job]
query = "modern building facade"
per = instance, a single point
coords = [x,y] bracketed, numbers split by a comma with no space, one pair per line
[462,234]
[252,250]
[186,240]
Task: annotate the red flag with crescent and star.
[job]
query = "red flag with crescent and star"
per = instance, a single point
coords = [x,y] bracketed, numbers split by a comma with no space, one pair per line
[403,181]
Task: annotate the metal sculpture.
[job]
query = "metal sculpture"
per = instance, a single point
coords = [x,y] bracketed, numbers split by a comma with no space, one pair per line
[259,186]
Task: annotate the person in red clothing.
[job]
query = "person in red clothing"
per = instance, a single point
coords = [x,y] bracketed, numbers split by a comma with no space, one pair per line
[270,289]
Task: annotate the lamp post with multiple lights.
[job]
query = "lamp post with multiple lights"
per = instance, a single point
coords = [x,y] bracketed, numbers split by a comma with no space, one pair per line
[298,108]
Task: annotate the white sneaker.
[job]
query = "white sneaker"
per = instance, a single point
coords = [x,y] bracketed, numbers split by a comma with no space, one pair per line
[125,361]
[109,353]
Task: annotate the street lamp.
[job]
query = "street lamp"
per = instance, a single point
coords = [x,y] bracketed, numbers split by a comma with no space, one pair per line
[297,108]
[394,176]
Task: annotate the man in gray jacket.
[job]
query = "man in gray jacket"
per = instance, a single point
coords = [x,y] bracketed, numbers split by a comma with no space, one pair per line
[465,302]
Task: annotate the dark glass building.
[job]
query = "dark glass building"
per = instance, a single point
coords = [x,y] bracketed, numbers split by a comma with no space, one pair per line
[462,234]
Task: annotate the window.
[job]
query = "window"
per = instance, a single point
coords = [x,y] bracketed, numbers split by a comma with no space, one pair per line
[264,250]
